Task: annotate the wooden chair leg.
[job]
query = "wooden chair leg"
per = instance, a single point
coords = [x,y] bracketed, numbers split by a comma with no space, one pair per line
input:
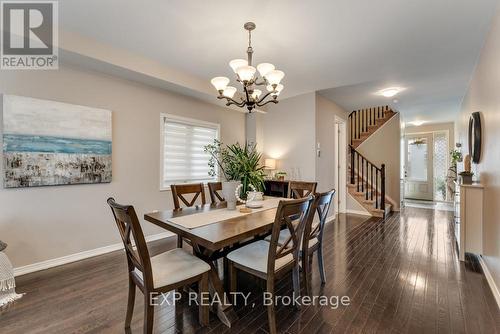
[204,306]
[131,302]
[271,316]
[233,283]
[321,264]
[225,269]
[149,313]
[306,271]
[296,282]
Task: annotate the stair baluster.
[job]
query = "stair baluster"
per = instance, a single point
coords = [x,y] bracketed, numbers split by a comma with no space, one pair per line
[367,178]
[366,181]
[382,188]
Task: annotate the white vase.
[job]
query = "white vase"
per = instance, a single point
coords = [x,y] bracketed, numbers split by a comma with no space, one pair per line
[228,189]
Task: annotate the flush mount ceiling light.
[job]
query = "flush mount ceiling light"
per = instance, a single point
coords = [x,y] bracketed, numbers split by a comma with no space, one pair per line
[247,76]
[417,123]
[390,92]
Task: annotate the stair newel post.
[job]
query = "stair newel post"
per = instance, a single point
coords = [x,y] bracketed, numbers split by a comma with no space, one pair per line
[366,120]
[366,181]
[382,188]
[362,173]
[363,120]
[360,123]
[350,126]
[352,164]
[357,124]
[357,172]
[371,192]
[376,188]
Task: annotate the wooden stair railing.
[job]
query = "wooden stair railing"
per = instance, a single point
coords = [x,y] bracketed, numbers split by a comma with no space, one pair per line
[367,177]
[362,122]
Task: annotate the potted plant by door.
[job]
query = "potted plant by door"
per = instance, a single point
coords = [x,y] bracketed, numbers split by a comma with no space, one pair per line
[235,165]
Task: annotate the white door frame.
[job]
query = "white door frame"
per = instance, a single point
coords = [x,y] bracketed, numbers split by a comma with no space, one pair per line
[340,164]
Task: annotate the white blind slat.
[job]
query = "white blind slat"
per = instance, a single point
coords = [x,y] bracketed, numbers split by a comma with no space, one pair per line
[184,159]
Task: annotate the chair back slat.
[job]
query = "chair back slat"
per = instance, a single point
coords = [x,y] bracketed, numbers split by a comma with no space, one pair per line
[292,214]
[130,228]
[179,190]
[215,190]
[298,189]
[321,206]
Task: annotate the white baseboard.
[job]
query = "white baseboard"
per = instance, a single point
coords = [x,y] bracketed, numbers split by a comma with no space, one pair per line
[491,282]
[358,212]
[31,268]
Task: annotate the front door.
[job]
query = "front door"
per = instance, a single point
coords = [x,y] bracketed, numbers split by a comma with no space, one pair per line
[418,174]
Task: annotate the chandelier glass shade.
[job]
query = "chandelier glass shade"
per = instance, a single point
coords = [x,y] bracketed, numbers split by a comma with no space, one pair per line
[250,77]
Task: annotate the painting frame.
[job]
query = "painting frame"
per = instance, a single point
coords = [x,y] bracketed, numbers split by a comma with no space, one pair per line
[50,143]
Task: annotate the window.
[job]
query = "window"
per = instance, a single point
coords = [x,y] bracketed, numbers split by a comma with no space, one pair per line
[182,157]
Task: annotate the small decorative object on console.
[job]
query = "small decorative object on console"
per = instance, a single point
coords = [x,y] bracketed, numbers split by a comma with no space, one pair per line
[467,174]
[280,176]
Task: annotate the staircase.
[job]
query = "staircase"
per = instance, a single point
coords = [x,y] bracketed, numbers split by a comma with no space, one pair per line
[366,179]
[363,123]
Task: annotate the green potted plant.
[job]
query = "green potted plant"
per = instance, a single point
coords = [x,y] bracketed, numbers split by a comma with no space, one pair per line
[236,165]
[455,156]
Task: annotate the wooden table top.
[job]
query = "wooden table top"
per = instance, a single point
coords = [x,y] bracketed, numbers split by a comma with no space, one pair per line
[218,235]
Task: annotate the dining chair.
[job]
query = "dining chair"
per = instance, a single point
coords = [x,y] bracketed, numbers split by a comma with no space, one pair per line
[158,274]
[178,192]
[313,237]
[299,189]
[270,260]
[215,190]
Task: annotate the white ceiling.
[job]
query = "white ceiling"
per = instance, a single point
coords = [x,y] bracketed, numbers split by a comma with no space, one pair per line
[346,49]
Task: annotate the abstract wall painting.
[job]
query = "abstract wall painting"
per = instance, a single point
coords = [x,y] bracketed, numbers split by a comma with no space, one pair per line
[49,143]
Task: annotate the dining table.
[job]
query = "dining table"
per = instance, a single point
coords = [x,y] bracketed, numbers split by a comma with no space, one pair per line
[213,231]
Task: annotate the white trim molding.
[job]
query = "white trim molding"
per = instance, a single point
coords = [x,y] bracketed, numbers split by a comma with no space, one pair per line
[358,212]
[491,281]
[31,268]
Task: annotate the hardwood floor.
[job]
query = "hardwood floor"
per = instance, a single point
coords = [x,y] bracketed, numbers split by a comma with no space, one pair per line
[402,275]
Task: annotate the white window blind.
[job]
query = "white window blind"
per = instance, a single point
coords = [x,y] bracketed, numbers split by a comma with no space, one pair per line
[183,158]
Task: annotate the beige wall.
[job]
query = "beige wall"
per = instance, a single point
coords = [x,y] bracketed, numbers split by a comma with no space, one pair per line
[384,147]
[290,133]
[484,95]
[288,129]
[326,110]
[51,222]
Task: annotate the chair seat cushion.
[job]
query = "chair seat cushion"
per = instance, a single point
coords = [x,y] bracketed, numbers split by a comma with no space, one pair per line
[254,256]
[175,266]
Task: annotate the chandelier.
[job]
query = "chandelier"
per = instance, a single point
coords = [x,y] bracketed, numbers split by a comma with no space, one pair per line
[247,76]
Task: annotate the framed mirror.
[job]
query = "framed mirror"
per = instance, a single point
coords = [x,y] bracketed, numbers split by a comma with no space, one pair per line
[475,136]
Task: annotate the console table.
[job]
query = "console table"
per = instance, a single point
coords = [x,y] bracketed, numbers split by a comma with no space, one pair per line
[469,218]
[276,188]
